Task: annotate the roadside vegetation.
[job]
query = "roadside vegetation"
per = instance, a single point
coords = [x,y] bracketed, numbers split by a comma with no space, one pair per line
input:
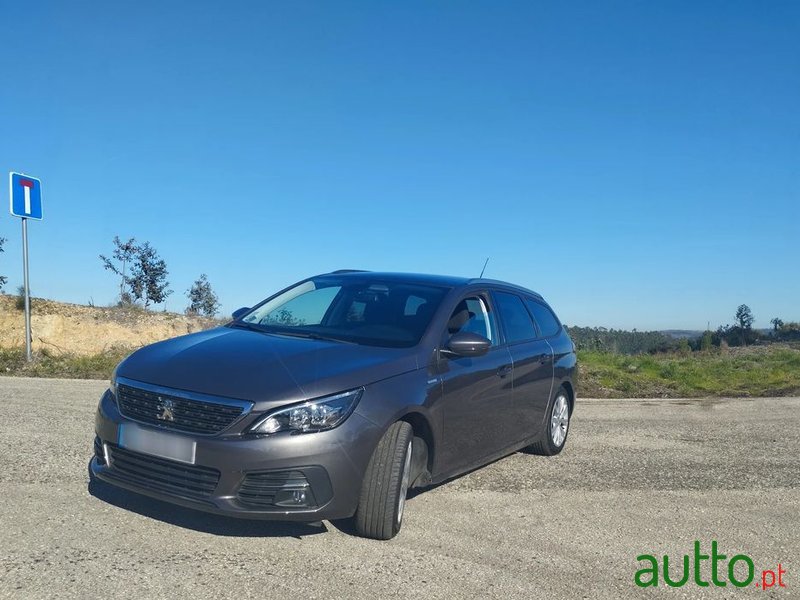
[772,370]
[734,360]
[87,342]
[143,279]
[740,333]
[142,272]
[202,298]
[3,278]
[66,365]
[769,370]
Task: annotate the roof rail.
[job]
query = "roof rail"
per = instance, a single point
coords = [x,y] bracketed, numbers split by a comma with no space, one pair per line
[340,271]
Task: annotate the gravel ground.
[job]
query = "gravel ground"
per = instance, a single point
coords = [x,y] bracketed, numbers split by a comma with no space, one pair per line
[638,476]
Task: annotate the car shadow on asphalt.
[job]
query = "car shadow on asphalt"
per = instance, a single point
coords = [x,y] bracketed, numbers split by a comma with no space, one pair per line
[198,520]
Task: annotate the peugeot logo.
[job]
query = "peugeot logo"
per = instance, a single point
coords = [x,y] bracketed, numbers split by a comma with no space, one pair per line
[165,407]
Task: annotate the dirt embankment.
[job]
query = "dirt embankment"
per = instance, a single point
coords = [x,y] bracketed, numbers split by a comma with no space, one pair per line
[86,330]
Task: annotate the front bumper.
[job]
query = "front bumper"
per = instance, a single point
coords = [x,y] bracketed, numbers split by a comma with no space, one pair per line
[232,471]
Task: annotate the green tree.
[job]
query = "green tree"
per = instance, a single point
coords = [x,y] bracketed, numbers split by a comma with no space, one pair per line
[202,299]
[148,280]
[706,341]
[19,303]
[124,253]
[744,317]
[777,323]
[789,331]
[143,273]
[3,280]
[744,321]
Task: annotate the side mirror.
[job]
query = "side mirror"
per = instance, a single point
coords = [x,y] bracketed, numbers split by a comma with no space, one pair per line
[465,343]
[240,311]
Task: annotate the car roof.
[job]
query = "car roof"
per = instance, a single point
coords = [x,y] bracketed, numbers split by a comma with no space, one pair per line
[421,278]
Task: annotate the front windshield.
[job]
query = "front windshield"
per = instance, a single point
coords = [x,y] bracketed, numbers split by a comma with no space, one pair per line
[363,312]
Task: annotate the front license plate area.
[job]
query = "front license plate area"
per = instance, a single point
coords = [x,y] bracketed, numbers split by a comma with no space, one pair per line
[156,443]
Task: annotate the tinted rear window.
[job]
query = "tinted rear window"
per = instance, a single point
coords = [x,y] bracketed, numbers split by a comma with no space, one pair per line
[548,324]
[516,320]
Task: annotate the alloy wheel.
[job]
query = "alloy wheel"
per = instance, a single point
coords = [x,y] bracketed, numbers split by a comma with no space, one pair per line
[559,421]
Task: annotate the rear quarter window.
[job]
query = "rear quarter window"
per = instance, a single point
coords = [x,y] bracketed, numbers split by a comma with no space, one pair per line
[544,317]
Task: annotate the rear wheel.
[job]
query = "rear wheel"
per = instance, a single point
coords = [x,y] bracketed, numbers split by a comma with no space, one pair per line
[553,436]
[383,492]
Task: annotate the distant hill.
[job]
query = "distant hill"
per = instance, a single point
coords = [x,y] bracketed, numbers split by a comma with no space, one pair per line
[681,334]
[618,340]
[691,334]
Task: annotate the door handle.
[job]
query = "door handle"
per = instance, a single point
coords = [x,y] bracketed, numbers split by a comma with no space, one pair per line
[503,371]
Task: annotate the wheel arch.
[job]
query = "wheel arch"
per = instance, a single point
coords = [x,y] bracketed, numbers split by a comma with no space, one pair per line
[423,430]
[567,385]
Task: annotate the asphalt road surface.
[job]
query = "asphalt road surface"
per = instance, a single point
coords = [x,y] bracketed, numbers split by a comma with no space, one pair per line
[638,476]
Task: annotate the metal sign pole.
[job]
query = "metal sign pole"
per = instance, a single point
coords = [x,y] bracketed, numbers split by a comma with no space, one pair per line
[27,289]
[25,202]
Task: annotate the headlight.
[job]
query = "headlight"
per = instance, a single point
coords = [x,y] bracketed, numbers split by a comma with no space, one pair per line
[315,415]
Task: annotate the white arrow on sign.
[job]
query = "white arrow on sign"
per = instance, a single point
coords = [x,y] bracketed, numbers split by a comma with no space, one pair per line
[26,188]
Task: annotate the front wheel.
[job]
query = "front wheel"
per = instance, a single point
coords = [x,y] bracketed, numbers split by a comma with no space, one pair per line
[383,492]
[554,433]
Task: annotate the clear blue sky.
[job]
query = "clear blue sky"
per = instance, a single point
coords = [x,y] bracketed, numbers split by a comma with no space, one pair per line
[638,163]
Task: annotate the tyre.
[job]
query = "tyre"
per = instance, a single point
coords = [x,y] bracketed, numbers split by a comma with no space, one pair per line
[383,492]
[554,434]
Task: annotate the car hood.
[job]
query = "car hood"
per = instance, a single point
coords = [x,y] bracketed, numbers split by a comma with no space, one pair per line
[263,368]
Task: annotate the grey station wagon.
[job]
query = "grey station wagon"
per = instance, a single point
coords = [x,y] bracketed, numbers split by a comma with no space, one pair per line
[332,398]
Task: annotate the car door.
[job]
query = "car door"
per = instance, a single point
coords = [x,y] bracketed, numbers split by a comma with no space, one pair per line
[476,392]
[532,358]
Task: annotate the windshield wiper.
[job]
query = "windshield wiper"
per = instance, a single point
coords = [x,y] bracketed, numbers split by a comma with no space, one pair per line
[249,326]
[310,335]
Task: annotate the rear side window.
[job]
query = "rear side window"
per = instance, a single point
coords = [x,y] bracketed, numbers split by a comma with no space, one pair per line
[516,320]
[548,324]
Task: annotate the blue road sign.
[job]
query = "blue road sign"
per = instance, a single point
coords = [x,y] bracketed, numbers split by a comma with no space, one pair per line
[26,196]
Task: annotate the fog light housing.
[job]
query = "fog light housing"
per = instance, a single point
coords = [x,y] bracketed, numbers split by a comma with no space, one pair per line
[99,454]
[295,498]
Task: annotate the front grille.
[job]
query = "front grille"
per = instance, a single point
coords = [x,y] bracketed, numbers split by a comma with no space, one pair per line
[194,416]
[161,474]
[259,489]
